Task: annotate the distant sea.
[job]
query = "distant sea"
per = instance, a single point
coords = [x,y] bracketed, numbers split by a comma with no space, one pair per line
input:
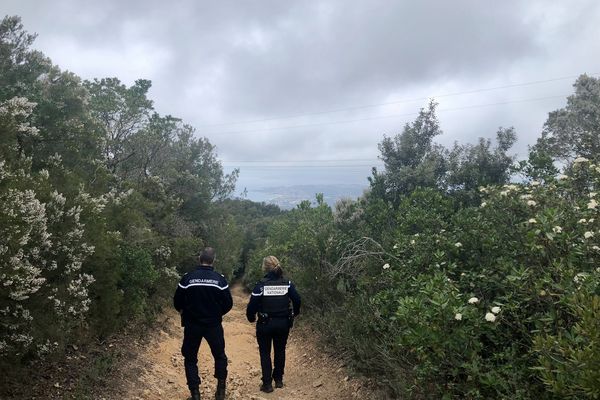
[288,197]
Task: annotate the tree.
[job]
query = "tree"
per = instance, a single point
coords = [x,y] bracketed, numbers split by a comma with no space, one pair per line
[471,166]
[574,130]
[411,158]
[20,66]
[120,112]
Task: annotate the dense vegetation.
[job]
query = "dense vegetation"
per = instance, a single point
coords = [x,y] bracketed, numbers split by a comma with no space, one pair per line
[461,273]
[103,203]
[446,280]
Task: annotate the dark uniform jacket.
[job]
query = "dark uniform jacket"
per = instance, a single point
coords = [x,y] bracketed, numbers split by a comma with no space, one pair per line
[202,297]
[271,296]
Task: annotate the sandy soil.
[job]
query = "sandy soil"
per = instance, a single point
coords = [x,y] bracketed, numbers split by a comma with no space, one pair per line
[159,373]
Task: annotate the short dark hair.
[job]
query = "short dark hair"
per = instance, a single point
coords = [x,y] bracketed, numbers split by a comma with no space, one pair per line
[207,256]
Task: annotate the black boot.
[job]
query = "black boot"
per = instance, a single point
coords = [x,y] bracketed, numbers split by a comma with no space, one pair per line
[279,383]
[266,387]
[220,393]
[195,394]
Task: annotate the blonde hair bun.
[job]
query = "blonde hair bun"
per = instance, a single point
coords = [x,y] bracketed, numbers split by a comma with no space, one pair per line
[271,264]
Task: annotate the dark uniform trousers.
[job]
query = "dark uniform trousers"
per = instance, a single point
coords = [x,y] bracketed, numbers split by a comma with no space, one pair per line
[275,331]
[192,336]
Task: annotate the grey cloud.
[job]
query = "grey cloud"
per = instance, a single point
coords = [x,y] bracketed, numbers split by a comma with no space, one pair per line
[228,61]
[368,49]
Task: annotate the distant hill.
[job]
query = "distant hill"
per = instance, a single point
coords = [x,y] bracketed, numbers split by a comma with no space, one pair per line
[288,197]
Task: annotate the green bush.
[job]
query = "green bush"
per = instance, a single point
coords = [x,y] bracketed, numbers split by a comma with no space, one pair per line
[527,257]
[494,301]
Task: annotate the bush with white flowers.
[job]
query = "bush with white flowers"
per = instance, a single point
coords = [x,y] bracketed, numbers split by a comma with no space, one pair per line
[44,293]
[488,306]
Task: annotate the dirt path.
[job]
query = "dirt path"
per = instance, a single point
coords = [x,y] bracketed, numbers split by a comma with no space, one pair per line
[309,374]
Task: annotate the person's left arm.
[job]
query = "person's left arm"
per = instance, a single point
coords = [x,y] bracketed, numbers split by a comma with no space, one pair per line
[295,298]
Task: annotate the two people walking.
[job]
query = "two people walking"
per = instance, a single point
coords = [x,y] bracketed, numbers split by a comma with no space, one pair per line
[203,298]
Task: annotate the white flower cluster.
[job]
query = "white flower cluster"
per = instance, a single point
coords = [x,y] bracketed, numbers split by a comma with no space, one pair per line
[490,316]
[580,277]
[55,160]
[96,204]
[17,110]
[163,252]
[171,272]
[116,197]
[507,189]
[41,239]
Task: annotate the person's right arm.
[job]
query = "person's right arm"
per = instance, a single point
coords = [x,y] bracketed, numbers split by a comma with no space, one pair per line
[179,297]
[254,303]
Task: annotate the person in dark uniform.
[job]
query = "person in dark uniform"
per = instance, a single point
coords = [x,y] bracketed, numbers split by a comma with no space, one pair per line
[270,299]
[202,298]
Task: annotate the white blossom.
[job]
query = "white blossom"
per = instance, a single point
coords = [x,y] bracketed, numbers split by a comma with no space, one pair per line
[55,160]
[592,194]
[458,316]
[592,204]
[582,221]
[496,309]
[531,203]
[458,244]
[386,266]
[588,235]
[562,177]
[483,204]
[532,221]
[580,160]
[171,272]
[163,252]
[490,317]
[580,277]
[473,300]
[557,229]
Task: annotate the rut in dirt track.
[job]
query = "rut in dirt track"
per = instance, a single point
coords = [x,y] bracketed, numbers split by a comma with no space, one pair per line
[309,374]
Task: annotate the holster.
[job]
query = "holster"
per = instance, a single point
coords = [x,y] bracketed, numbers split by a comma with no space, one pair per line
[263,318]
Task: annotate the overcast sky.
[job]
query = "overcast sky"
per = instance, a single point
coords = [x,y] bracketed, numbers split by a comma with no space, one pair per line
[217,64]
